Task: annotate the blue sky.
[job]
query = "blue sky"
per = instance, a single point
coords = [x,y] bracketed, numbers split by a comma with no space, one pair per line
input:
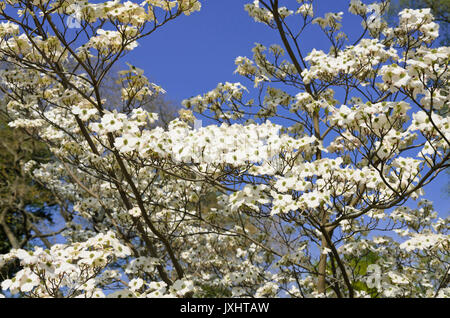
[192,54]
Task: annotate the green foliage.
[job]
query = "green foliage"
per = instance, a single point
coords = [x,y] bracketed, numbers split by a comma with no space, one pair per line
[214,292]
[360,267]
[22,200]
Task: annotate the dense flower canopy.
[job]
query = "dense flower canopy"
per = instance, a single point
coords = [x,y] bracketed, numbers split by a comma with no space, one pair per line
[309,178]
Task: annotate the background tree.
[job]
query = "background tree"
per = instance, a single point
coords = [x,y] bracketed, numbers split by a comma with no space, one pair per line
[24,203]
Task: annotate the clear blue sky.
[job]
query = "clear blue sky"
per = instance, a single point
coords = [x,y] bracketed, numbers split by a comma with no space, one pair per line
[192,54]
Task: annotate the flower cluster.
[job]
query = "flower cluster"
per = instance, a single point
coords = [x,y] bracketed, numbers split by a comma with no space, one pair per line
[64,269]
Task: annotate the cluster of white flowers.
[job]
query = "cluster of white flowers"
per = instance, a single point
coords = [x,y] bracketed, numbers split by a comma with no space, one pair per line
[111,41]
[330,20]
[421,20]
[258,13]
[125,13]
[47,273]
[426,242]
[8,29]
[356,59]
[305,9]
